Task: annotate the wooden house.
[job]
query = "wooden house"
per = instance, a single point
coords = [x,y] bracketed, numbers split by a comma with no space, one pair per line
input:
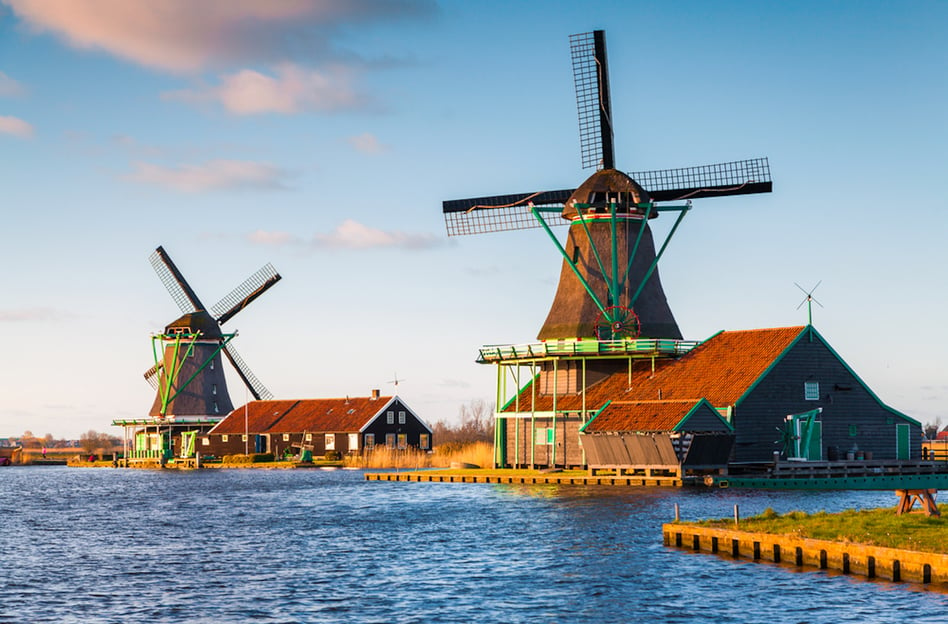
[770,385]
[344,425]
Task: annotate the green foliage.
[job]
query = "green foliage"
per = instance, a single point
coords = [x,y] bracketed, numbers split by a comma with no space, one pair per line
[332,456]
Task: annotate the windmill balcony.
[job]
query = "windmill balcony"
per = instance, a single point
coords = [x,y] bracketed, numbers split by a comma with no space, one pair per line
[641,347]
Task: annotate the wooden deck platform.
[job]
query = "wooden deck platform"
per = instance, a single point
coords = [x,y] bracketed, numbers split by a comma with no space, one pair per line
[552,478]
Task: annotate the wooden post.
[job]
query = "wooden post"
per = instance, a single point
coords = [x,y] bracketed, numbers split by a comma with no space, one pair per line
[677,516]
[737,516]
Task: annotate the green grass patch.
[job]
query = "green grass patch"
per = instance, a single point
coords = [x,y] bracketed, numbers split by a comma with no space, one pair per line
[876,527]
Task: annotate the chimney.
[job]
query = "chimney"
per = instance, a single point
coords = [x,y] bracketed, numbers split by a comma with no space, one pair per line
[375,394]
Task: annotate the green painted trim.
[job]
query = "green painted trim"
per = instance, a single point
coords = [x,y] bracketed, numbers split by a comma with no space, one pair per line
[763,375]
[635,248]
[595,416]
[589,237]
[695,408]
[517,394]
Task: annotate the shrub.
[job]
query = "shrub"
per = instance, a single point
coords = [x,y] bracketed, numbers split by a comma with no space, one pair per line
[332,456]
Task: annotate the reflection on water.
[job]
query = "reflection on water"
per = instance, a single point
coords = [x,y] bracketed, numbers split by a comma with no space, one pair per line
[101,545]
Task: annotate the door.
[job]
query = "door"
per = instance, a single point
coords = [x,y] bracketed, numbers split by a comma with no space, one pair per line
[901,441]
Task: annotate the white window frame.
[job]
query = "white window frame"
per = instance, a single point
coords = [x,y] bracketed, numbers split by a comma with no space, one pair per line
[286,437]
[353,441]
[330,441]
[370,441]
[309,437]
[390,417]
[390,440]
[402,441]
[811,391]
[224,438]
[424,441]
[205,441]
[401,418]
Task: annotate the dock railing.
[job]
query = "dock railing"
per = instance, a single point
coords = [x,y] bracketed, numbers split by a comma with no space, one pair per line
[644,347]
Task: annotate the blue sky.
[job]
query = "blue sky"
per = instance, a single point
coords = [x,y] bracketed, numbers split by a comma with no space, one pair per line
[322,136]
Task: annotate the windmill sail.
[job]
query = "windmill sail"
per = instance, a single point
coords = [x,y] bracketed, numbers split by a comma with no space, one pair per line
[177,286]
[591,77]
[240,297]
[256,387]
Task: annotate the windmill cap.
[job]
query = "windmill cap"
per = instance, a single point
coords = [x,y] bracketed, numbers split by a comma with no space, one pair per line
[605,186]
[196,321]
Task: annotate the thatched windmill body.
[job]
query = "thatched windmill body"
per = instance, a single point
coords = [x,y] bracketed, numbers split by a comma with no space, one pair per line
[188,374]
[609,284]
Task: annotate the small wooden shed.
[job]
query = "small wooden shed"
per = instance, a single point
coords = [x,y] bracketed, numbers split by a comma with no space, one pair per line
[658,437]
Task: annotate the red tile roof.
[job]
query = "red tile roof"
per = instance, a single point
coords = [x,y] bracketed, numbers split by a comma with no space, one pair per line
[720,370]
[642,415]
[303,415]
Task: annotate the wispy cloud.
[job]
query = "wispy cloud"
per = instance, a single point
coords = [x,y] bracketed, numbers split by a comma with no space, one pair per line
[367,143]
[16,127]
[350,234]
[291,89]
[188,36]
[33,315]
[213,175]
[10,87]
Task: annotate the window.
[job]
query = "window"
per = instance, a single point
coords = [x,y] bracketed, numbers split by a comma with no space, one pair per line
[309,437]
[212,365]
[390,440]
[243,438]
[424,441]
[353,441]
[390,418]
[224,438]
[543,435]
[330,441]
[811,391]
[286,437]
[369,441]
[213,388]
[216,410]
[853,431]
[403,440]
[205,441]
[401,418]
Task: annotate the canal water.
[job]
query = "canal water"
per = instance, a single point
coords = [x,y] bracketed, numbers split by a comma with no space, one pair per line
[105,545]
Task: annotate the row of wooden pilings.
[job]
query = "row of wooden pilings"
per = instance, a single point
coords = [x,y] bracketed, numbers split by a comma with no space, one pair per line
[870,561]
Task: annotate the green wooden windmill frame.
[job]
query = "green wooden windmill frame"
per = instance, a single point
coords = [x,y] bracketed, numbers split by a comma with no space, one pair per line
[614,283]
[171,377]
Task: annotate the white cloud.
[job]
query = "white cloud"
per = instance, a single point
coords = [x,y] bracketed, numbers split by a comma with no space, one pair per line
[211,176]
[189,35]
[367,143]
[10,87]
[28,315]
[350,234]
[292,89]
[15,126]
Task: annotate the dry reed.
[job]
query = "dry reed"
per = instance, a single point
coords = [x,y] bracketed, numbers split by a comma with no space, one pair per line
[477,454]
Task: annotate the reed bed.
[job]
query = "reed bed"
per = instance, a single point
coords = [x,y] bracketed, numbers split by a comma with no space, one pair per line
[444,456]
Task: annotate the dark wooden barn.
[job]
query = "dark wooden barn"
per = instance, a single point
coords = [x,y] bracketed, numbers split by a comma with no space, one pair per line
[344,425]
[658,437]
[762,382]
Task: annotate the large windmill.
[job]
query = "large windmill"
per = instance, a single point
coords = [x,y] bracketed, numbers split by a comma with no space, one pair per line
[609,285]
[188,374]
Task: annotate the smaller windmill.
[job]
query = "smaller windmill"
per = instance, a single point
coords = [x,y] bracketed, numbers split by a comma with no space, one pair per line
[188,374]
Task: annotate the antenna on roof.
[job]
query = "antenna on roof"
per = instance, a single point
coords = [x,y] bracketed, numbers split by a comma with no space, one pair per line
[809,301]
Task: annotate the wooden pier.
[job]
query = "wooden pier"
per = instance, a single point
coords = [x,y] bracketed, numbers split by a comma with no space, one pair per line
[552,478]
[849,558]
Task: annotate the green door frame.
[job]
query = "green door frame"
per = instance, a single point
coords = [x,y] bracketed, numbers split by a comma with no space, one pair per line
[902,446]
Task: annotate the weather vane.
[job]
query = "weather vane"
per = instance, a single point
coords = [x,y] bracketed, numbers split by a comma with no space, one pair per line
[809,300]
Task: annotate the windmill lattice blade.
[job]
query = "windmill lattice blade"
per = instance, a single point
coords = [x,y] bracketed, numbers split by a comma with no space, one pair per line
[240,297]
[257,389]
[591,77]
[501,213]
[151,375]
[174,282]
[740,177]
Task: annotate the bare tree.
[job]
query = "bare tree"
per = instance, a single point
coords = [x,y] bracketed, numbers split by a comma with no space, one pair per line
[476,425]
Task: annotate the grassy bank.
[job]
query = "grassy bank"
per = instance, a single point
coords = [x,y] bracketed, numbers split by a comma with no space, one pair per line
[876,527]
